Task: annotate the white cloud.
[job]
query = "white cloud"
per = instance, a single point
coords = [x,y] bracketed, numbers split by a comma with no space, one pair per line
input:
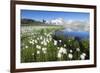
[58,21]
[77,25]
[70,25]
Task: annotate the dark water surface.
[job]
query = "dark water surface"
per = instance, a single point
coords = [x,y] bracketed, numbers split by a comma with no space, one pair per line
[79,34]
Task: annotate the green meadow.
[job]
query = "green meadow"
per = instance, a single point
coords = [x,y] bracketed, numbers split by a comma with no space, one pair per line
[38,44]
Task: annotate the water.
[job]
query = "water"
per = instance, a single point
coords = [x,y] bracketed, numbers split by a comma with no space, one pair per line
[79,34]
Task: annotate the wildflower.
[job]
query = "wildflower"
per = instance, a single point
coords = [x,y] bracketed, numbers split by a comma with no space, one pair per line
[45,43]
[44,49]
[82,57]
[55,42]
[42,42]
[58,48]
[26,46]
[41,37]
[44,52]
[77,49]
[62,50]
[38,39]
[69,40]
[38,47]
[45,33]
[71,51]
[60,41]
[84,54]
[38,52]
[50,38]
[31,42]
[59,55]
[70,56]
[35,41]
[32,54]
[64,45]
[32,33]
[48,35]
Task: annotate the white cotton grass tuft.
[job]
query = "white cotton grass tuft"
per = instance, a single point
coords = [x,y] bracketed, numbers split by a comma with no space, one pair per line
[77,49]
[44,49]
[60,41]
[47,40]
[45,43]
[50,39]
[32,54]
[26,46]
[71,51]
[42,43]
[82,56]
[70,56]
[69,40]
[38,38]
[62,50]
[55,42]
[41,37]
[35,41]
[38,46]
[59,55]
[58,48]
[38,52]
[31,42]
[45,33]
[64,45]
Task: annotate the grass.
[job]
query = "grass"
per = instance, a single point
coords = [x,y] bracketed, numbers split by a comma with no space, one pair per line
[38,45]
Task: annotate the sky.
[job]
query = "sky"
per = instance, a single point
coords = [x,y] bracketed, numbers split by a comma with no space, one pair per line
[50,15]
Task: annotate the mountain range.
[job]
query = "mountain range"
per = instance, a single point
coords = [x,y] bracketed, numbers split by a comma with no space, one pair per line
[69,25]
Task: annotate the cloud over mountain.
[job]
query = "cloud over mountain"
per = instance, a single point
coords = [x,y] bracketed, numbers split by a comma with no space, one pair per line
[58,21]
[77,26]
[70,25]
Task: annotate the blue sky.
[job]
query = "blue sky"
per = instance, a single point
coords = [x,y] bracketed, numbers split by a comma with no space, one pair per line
[49,15]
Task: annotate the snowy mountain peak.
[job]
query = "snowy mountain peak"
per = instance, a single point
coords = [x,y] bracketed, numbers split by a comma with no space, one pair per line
[58,21]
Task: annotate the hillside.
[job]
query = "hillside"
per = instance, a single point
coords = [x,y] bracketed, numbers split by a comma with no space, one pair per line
[28,22]
[32,22]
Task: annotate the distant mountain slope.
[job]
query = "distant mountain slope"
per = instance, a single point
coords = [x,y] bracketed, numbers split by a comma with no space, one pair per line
[27,22]
[32,22]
